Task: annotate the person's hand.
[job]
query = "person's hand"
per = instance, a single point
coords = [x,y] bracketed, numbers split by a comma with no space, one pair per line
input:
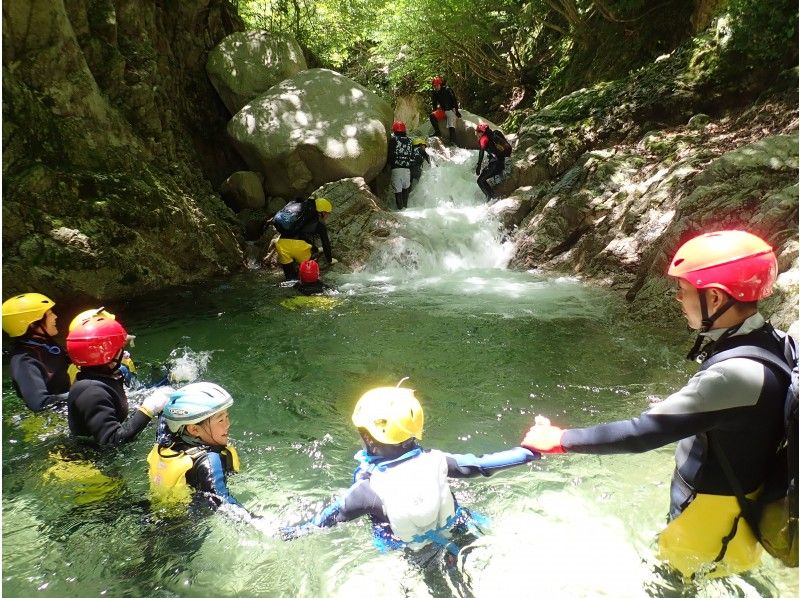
[543,437]
[154,404]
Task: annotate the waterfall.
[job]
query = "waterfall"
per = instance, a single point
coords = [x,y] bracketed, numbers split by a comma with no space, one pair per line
[446,234]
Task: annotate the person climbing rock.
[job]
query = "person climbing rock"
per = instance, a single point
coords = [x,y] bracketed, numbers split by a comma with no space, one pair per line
[497,146]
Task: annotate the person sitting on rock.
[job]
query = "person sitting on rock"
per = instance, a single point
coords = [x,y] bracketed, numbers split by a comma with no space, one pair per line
[445,106]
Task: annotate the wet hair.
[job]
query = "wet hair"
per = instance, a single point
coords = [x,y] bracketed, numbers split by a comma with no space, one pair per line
[388,451]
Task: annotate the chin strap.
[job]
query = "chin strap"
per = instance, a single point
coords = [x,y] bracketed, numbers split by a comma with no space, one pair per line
[697,352]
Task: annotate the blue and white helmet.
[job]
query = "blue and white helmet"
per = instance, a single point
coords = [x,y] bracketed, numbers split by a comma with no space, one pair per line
[195,402]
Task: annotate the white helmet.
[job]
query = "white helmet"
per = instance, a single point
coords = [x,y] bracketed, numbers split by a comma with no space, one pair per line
[195,402]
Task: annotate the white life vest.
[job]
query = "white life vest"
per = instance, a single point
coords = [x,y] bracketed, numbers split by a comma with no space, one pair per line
[415,494]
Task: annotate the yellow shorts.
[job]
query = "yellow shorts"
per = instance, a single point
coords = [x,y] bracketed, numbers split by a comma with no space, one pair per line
[292,250]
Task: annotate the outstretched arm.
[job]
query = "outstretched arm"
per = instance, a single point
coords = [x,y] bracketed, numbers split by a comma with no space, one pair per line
[468,465]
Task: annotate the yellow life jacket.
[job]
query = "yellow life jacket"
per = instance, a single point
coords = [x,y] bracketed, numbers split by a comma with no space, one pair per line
[167,471]
[693,541]
[80,481]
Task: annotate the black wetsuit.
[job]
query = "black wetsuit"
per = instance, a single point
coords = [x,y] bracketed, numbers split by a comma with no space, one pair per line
[209,473]
[495,166]
[315,227]
[740,401]
[444,97]
[98,407]
[311,288]
[420,156]
[39,372]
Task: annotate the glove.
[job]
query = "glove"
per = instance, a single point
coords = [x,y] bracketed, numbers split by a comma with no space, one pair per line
[154,404]
[543,437]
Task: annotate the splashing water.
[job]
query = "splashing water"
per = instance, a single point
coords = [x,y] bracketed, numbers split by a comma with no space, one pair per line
[447,238]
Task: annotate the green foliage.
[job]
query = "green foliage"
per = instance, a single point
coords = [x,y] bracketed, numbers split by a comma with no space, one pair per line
[763,34]
[331,30]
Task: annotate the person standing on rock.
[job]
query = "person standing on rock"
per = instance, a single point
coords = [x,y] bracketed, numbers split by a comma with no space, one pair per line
[445,107]
[728,420]
[299,224]
[39,365]
[400,159]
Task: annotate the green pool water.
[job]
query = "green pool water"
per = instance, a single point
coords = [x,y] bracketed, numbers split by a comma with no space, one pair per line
[485,350]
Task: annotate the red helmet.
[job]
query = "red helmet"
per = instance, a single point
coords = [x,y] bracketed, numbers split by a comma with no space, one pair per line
[735,261]
[309,271]
[398,126]
[95,341]
[482,128]
[437,80]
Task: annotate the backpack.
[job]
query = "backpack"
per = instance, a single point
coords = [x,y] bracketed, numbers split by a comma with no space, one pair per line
[294,215]
[501,144]
[773,515]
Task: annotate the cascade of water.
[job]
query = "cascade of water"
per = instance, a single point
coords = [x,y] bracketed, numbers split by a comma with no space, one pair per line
[447,232]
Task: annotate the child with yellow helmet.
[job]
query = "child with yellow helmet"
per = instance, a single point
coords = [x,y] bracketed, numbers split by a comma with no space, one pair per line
[38,363]
[402,487]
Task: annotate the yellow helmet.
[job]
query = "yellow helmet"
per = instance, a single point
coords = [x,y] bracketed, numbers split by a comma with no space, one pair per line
[419,141]
[323,205]
[391,415]
[91,313]
[21,311]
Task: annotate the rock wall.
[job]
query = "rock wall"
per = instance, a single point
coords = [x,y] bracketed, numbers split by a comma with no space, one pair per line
[113,146]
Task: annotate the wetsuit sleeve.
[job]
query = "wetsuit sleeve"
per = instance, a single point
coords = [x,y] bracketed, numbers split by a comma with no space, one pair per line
[426,156]
[322,231]
[468,465]
[712,399]
[209,478]
[96,408]
[480,160]
[27,373]
[359,500]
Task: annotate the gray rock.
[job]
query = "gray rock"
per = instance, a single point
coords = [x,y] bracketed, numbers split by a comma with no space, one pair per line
[315,127]
[247,63]
[244,189]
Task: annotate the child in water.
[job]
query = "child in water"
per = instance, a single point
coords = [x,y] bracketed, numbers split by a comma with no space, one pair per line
[402,487]
[192,451]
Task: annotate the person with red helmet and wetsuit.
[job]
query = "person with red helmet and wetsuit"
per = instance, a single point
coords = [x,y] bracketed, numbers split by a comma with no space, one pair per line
[730,414]
[97,406]
[400,158]
[497,162]
[445,107]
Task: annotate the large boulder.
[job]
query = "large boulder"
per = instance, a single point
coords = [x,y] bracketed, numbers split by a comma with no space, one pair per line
[247,63]
[243,190]
[315,127]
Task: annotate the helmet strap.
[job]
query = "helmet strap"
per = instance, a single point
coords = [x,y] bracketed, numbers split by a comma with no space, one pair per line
[697,353]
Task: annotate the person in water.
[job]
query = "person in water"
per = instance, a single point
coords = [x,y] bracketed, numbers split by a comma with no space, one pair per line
[420,157]
[402,487]
[309,282]
[127,368]
[297,244]
[734,407]
[192,456]
[400,157]
[97,406]
[39,365]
